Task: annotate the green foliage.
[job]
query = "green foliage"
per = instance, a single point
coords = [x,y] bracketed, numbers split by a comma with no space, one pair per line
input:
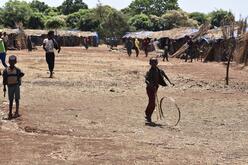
[38,6]
[221,17]
[177,18]
[157,23]
[36,21]
[88,20]
[115,24]
[1,16]
[55,23]
[201,18]
[16,11]
[72,20]
[112,22]
[140,22]
[72,6]
[51,12]
[152,7]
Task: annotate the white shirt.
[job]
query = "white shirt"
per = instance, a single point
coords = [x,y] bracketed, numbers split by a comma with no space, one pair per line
[49,45]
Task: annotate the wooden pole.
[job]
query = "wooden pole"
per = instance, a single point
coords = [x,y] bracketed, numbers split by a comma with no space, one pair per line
[233,46]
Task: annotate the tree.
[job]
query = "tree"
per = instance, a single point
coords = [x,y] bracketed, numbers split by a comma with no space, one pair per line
[1,16]
[55,23]
[152,7]
[51,12]
[201,18]
[177,18]
[221,17]
[72,6]
[73,19]
[38,6]
[88,24]
[115,24]
[15,12]
[157,23]
[36,21]
[140,22]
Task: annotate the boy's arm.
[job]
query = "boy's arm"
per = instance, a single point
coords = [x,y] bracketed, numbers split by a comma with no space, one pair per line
[56,44]
[44,46]
[20,73]
[147,79]
[167,78]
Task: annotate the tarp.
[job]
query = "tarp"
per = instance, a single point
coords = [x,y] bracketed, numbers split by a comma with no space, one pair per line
[139,35]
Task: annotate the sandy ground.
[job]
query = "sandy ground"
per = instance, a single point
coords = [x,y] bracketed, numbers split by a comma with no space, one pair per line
[92,112]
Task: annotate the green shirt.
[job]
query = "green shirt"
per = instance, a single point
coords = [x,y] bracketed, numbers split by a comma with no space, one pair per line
[2,47]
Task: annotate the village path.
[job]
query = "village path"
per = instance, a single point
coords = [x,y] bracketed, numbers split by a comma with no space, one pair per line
[92,112]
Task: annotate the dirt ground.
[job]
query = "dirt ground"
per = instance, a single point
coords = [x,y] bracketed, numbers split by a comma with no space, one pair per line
[92,112]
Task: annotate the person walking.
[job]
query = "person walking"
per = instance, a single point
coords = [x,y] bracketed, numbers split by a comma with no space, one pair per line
[49,44]
[136,47]
[146,43]
[129,46]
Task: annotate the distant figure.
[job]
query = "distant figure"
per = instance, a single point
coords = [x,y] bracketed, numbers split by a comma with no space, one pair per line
[86,42]
[166,53]
[153,79]
[129,46]
[12,79]
[191,49]
[5,40]
[49,44]
[146,42]
[2,51]
[136,47]
[29,44]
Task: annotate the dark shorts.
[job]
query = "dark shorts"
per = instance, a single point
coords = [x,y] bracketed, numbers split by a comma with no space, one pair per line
[14,92]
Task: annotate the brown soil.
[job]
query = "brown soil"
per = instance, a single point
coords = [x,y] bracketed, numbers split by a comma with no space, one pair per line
[92,112]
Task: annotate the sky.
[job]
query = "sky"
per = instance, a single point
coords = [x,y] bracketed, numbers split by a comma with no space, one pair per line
[236,6]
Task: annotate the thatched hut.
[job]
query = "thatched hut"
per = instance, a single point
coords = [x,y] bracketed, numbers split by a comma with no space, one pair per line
[218,47]
[18,38]
[175,38]
[141,35]
[64,37]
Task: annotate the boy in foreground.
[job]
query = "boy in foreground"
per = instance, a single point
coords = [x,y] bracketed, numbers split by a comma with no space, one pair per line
[12,79]
[153,79]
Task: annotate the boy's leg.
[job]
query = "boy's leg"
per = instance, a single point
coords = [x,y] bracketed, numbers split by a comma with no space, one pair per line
[10,115]
[17,98]
[17,109]
[151,92]
[11,92]
[50,57]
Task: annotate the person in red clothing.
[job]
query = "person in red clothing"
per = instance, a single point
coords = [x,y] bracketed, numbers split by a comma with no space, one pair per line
[153,79]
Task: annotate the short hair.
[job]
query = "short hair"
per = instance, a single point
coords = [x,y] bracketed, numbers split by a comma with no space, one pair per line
[12,58]
[153,60]
[50,32]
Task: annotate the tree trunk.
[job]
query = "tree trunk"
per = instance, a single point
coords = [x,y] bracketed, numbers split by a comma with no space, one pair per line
[228,64]
[246,59]
[227,69]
